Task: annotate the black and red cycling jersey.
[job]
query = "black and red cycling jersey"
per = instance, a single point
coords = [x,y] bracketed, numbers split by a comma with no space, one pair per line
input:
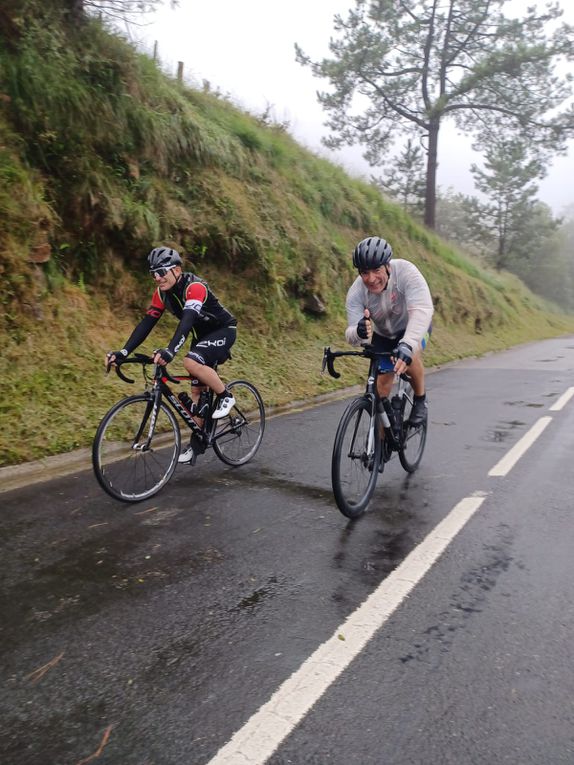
[193,303]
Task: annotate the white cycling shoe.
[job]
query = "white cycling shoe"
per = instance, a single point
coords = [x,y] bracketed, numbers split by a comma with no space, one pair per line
[225,404]
[187,457]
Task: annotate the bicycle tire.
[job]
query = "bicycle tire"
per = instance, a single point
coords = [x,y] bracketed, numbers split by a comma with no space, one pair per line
[414,439]
[238,435]
[353,461]
[123,471]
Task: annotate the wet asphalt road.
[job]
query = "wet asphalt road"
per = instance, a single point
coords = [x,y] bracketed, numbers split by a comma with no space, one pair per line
[149,634]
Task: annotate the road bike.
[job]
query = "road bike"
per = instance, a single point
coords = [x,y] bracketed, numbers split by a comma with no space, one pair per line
[138,442]
[370,431]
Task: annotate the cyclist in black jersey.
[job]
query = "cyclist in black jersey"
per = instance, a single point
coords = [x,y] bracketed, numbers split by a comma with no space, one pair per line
[213,327]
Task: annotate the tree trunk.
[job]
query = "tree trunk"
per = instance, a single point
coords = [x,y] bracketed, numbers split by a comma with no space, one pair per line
[432,164]
[10,29]
[75,10]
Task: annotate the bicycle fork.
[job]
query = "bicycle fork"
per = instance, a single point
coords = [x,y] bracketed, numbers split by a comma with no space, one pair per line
[150,416]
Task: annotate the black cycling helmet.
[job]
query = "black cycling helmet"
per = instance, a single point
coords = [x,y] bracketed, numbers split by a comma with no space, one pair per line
[372,252]
[163,257]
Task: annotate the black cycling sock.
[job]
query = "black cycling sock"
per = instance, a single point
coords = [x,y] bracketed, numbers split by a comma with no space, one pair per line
[420,398]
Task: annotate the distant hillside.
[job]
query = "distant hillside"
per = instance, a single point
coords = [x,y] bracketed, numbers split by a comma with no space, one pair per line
[102,157]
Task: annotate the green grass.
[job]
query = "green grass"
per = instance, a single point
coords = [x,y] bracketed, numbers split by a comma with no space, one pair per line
[103,157]
[56,391]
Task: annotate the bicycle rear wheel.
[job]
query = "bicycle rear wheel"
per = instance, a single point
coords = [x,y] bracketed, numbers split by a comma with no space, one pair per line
[125,467]
[238,436]
[356,459]
[414,438]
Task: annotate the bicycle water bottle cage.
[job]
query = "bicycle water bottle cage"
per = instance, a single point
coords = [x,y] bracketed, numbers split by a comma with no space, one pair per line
[389,410]
[394,416]
[397,406]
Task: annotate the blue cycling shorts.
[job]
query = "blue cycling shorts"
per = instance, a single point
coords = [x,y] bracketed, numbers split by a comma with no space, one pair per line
[388,345]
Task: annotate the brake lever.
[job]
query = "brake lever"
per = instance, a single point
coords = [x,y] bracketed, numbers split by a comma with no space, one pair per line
[326,351]
[116,365]
[329,360]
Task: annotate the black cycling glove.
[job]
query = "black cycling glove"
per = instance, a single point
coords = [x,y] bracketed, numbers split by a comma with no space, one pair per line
[117,354]
[165,353]
[362,329]
[404,352]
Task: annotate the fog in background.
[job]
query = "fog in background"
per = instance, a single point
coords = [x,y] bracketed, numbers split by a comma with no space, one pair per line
[245,50]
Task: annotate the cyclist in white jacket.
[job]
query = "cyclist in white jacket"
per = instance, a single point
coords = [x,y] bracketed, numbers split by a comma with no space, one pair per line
[390,306]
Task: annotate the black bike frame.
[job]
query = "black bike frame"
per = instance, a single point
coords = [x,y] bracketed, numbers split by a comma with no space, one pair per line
[387,415]
[162,390]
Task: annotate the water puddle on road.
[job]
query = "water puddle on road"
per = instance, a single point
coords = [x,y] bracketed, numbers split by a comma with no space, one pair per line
[374,545]
[502,430]
[469,598]
[269,479]
[524,403]
[250,602]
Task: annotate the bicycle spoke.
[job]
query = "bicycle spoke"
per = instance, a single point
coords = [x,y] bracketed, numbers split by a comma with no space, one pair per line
[414,438]
[356,457]
[237,437]
[126,466]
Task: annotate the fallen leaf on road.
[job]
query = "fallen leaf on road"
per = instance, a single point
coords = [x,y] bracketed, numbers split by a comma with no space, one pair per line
[100,749]
[39,673]
[150,510]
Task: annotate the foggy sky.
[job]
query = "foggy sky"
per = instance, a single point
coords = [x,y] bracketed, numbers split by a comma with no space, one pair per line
[245,49]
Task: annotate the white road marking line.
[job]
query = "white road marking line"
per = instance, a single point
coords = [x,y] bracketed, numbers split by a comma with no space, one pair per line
[256,741]
[562,401]
[511,458]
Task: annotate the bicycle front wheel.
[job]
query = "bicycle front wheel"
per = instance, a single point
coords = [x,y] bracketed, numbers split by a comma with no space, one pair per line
[414,439]
[237,437]
[126,466]
[356,458]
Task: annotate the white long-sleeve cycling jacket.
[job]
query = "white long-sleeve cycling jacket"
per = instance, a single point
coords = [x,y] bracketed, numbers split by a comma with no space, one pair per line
[404,308]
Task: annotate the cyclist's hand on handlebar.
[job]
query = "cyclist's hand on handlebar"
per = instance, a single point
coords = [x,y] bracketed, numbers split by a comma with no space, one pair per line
[112,355]
[403,356]
[162,356]
[365,326]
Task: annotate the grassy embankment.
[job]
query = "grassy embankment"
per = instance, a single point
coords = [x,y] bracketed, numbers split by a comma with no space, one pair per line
[102,157]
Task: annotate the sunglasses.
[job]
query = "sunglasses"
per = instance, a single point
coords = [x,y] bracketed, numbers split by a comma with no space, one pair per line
[161,272]
[368,271]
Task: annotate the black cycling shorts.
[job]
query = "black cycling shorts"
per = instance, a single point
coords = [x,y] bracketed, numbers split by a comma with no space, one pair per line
[213,348]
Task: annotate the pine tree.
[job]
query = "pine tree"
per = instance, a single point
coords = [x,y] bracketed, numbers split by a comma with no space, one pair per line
[508,180]
[407,65]
[404,179]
